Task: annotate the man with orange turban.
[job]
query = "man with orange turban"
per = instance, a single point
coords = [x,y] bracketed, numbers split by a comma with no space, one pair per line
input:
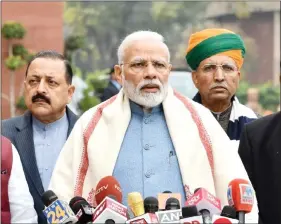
[216,57]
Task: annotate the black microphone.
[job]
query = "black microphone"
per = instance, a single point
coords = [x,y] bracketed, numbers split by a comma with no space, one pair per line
[229,212]
[189,211]
[82,210]
[166,192]
[57,211]
[150,205]
[172,204]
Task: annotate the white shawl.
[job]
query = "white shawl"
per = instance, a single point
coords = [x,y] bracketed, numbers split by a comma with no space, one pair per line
[204,152]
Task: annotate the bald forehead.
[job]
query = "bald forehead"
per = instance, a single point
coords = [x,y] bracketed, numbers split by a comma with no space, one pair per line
[144,49]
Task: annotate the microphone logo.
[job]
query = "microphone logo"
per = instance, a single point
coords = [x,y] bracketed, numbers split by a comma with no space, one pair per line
[229,196]
[99,210]
[247,194]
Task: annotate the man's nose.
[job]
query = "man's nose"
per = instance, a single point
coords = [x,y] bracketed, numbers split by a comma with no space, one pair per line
[219,75]
[42,87]
[150,72]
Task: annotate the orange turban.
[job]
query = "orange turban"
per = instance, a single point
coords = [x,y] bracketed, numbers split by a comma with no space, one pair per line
[209,42]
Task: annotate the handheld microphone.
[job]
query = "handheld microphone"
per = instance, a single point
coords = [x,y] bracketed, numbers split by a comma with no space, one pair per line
[108,186]
[136,203]
[229,212]
[206,204]
[151,205]
[163,197]
[82,209]
[172,204]
[170,216]
[146,218]
[110,211]
[109,197]
[57,211]
[190,215]
[240,195]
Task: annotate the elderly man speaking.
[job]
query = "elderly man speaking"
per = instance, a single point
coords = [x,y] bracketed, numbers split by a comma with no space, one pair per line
[216,57]
[149,137]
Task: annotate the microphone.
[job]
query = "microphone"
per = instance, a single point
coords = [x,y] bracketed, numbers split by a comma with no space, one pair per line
[163,197]
[190,215]
[110,211]
[151,205]
[82,209]
[144,219]
[229,212]
[108,186]
[57,211]
[240,195]
[223,220]
[172,204]
[136,203]
[170,216]
[206,204]
[109,197]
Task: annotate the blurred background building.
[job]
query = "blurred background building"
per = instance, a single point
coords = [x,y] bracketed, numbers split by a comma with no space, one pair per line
[88,33]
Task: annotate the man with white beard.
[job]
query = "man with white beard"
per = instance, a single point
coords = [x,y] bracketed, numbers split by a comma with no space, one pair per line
[149,137]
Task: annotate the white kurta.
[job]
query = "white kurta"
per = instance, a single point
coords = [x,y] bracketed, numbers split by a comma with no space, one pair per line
[206,157]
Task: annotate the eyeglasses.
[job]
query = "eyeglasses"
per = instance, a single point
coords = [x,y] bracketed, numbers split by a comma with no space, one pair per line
[140,66]
[212,68]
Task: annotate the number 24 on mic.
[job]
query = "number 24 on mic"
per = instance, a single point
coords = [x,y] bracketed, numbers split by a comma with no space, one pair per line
[55,213]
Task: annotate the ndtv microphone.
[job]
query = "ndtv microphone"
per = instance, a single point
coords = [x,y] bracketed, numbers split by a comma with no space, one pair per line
[136,203]
[108,186]
[206,204]
[82,209]
[190,215]
[240,195]
[57,211]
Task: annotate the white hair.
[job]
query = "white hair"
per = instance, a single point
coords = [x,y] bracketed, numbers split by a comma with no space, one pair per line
[136,36]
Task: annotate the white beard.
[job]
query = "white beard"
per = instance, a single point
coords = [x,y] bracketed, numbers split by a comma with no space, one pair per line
[147,100]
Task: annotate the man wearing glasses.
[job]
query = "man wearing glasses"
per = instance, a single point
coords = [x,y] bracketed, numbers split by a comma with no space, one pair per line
[216,57]
[149,137]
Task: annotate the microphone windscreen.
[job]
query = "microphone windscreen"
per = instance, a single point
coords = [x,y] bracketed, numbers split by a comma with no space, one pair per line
[49,197]
[108,186]
[167,192]
[189,211]
[76,202]
[229,212]
[240,195]
[172,204]
[150,205]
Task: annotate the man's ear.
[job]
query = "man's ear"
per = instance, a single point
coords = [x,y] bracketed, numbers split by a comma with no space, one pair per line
[194,78]
[118,73]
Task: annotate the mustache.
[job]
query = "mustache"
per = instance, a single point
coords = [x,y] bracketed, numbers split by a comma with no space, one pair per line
[154,82]
[42,97]
[216,85]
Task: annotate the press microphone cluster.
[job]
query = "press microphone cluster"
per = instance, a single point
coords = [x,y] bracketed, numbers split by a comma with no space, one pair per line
[202,207]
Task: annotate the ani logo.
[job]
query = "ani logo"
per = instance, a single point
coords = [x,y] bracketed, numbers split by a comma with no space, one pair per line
[229,196]
[247,194]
